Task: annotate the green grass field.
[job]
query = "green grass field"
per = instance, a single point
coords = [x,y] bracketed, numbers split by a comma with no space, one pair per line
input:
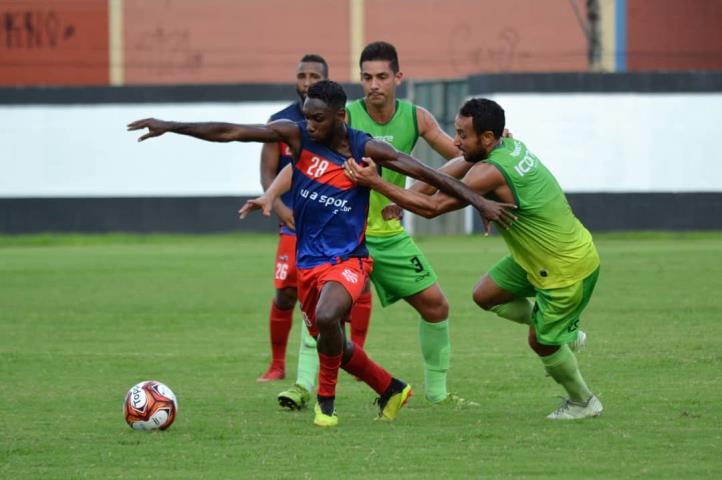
[82,319]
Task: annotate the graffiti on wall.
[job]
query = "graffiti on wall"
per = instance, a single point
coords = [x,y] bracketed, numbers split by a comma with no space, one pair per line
[34,29]
[503,55]
[168,52]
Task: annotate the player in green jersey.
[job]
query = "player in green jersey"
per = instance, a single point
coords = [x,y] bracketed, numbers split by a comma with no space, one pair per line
[401,271]
[552,256]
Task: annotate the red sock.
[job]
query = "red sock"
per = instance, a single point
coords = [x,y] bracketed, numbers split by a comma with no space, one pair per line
[360,317]
[373,374]
[328,374]
[279,326]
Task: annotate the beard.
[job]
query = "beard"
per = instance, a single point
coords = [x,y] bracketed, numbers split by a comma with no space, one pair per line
[474,157]
[301,96]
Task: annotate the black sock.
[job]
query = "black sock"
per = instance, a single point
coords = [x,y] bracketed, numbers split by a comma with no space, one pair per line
[326,404]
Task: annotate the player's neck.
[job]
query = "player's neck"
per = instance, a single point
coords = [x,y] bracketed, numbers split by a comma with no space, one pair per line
[381,113]
[339,141]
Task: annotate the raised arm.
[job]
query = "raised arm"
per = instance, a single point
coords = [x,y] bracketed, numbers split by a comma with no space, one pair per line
[388,157]
[278,131]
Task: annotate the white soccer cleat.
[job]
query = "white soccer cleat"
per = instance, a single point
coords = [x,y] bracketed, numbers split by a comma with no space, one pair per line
[571,410]
[578,344]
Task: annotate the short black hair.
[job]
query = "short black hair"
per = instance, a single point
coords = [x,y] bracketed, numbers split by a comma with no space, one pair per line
[487,115]
[329,92]
[380,51]
[312,57]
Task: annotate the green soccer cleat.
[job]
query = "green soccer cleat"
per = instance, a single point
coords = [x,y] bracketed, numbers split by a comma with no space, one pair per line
[323,420]
[393,399]
[295,398]
[571,410]
[454,401]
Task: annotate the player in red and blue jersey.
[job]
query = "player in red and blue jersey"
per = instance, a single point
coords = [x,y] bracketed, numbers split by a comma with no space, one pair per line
[274,157]
[330,214]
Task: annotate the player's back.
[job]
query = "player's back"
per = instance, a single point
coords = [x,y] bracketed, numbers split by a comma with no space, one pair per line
[547,240]
[329,210]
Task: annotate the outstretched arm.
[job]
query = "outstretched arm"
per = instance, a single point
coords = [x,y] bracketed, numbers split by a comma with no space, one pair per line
[278,131]
[388,157]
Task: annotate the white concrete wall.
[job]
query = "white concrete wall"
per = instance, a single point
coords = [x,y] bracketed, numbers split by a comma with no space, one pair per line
[85,150]
[622,142]
[591,142]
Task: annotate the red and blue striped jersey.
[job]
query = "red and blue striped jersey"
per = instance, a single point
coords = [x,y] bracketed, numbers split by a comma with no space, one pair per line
[330,211]
[293,113]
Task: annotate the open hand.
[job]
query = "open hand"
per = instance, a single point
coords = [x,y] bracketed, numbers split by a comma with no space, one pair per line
[155,127]
[262,203]
[492,211]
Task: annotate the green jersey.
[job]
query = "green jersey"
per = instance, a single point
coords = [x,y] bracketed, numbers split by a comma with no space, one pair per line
[547,240]
[402,132]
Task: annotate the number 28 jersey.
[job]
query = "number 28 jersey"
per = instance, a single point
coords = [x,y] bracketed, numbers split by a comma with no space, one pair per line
[329,210]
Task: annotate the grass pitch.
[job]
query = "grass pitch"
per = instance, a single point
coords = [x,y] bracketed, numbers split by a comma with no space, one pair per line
[83,318]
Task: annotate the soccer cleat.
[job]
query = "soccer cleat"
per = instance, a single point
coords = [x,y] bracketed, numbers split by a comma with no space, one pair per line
[393,399]
[571,410]
[578,344]
[295,398]
[323,420]
[454,401]
[272,374]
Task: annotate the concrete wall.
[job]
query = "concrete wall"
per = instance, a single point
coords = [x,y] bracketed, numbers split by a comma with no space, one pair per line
[641,158]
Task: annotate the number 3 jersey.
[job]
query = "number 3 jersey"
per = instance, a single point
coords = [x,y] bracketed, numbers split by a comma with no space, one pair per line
[329,210]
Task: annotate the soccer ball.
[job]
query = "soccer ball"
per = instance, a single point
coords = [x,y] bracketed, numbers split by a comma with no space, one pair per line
[150,405]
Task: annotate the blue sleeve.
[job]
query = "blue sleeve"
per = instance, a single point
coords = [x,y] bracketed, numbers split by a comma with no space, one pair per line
[358,148]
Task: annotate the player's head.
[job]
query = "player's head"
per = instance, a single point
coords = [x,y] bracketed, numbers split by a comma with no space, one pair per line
[380,73]
[325,110]
[479,125]
[311,68]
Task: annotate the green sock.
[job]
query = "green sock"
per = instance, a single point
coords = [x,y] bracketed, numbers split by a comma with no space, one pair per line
[563,368]
[518,310]
[436,349]
[307,371]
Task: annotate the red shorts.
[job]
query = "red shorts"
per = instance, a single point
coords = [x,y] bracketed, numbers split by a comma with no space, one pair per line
[352,274]
[285,275]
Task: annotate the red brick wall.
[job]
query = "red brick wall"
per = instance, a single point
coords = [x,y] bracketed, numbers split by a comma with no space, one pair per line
[65,42]
[231,41]
[53,43]
[437,38]
[674,35]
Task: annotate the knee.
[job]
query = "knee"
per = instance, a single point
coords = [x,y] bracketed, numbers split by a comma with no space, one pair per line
[326,319]
[286,298]
[439,312]
[482,299]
